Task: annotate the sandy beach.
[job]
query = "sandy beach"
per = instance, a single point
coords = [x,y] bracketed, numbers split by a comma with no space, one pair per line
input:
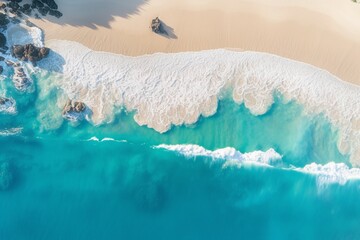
[322,33]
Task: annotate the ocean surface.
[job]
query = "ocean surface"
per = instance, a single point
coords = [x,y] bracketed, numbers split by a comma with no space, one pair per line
[208,145]
[124,181]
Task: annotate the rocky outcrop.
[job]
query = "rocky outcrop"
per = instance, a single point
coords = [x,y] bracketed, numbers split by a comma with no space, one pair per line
[7,105]
[51,4]
[21,80]
[74,111]
[29,52]
[3,20]
[55,13]
[157,27]
[43,7]
[4,100]
[2,40]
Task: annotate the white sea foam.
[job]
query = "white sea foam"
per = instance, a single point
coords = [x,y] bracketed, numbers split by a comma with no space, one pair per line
[173,89]
[106,139]
[9,107]
[22,34]
[10,132]
[331,173]
[231,155]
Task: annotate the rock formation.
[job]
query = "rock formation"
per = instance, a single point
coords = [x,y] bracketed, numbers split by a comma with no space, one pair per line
[73,110]
[21,80]
[2,40]
[4,100]
[50,3]
[29,52]
[3,20]
[156,26]
[43,7]
[7,105]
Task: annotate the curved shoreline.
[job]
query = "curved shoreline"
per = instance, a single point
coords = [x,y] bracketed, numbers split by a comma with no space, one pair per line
[174,89]
[322,33]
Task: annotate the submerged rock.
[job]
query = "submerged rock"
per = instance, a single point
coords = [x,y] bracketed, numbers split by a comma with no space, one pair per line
[74,111]
[9,63]
[3,20]
[7,105]
[4,100]
[2,40]
[6,176]
[156,26]
[21,80]
[29,52]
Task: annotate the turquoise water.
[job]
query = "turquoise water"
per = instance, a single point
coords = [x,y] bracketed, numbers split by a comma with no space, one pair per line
[66,187]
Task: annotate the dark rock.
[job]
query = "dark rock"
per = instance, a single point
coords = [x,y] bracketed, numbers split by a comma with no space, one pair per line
[9,63]
[1,69]
[29,52]
[26,9]
[3,20]
[55,13]
[44,10]
[18,51]
[14,6]
[26,6]
[20,79]
[74,111]
[2,58]
[37,4]
[3,6]
[2,40]
[50,3]
[79,107]
[156,26]
[72,106]
[18,13]
[4,100]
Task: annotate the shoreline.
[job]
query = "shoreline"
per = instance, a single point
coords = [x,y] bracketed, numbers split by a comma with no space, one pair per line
[316,33]
[167,89]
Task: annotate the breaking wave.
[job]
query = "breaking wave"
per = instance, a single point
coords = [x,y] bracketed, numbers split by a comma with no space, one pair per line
[329,173]
[175,89]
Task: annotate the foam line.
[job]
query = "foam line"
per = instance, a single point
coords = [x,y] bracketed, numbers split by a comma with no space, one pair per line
[174,89]
[230,154]
[329,173]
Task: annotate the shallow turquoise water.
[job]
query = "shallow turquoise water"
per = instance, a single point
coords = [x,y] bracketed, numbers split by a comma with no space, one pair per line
[65,187]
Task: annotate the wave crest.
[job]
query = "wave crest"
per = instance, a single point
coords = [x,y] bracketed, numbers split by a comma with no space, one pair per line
[325,175]
[230,154]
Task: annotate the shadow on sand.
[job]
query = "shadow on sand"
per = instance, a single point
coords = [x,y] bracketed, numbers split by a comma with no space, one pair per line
[95,13]
[168,31]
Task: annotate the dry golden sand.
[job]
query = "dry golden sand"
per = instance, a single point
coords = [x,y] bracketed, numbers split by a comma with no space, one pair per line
[324,33]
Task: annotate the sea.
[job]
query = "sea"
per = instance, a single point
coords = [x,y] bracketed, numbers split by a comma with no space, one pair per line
[232,173]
